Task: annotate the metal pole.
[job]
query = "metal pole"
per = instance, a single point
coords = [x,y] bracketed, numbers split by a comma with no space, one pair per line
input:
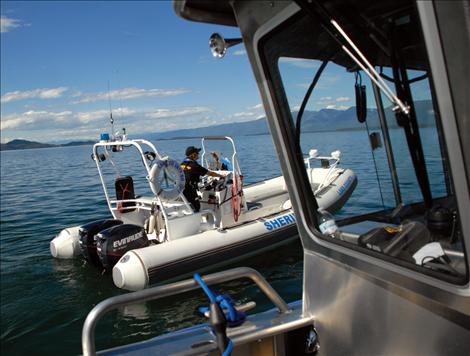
[373,72]
[387,144]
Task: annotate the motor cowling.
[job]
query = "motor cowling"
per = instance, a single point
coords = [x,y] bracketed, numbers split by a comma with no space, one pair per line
[87,239]
[114,242]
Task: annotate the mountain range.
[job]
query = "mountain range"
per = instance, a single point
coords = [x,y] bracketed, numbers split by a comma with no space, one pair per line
[25,144]
[312,121]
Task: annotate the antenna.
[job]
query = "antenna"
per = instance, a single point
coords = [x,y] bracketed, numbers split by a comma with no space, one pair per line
[119,93]
[111,120]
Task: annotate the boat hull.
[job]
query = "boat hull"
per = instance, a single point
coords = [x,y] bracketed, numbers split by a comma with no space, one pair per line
[140,268]
[338,192]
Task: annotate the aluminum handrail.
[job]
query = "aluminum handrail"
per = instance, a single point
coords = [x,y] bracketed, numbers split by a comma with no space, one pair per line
[88,331]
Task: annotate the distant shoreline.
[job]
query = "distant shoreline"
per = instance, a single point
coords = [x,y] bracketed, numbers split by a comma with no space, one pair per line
[30,145]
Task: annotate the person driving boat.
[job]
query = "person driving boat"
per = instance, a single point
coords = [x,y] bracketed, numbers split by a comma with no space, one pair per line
[193,171]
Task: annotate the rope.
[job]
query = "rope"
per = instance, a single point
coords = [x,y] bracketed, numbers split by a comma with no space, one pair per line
[236,196]
[376,170]
[233,316]
[235,200]
[210,294]
[218,319]
[228,349]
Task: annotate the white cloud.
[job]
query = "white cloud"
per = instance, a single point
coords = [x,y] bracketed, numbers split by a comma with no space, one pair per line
[328,81]
[87,117]
[244,114]
[76,94]
[7,24]
[46,126]
[167,113]
[252,112]
[48,120]
[127,93]
[299,62]
[91,116]
[45,93]
[336,107]
[115,95]
[34,119]
[328,102]
[240,52]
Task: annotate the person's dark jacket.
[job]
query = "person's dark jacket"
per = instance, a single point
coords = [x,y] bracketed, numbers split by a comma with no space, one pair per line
[193,171]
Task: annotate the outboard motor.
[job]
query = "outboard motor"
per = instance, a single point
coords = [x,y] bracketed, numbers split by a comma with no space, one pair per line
[113,243]
[87,238]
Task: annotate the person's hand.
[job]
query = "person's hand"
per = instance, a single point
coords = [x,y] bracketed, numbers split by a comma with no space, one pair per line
[215,155]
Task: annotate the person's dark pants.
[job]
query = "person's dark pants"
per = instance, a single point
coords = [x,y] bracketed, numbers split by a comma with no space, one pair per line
[191,197]
[196,205]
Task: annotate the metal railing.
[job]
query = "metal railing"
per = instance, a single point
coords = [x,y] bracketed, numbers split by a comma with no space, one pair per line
[88,331]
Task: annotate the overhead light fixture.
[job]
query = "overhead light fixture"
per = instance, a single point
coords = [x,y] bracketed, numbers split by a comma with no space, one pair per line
[219,45]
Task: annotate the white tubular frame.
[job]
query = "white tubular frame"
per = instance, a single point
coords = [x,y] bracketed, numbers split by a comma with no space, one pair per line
[326,180]
[138,143]
[235,164]
[106,145]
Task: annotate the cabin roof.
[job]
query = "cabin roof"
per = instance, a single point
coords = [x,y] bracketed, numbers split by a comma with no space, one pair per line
[209,11]
[367,22]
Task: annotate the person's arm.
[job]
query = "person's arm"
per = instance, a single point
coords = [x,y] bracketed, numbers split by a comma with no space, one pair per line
[201,171]
[215,155]
[215,174]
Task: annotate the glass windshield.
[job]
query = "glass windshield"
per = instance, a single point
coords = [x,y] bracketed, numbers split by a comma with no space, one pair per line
[403,201]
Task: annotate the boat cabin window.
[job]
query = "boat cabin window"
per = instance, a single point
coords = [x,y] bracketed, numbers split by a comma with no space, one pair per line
[403,210]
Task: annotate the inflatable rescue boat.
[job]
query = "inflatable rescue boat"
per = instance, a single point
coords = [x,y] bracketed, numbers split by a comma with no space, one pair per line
[159,237]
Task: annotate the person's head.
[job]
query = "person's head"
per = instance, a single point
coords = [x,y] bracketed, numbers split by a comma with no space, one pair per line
[192,152]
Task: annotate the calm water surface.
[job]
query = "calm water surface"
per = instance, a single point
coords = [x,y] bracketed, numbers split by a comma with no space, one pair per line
[44,301]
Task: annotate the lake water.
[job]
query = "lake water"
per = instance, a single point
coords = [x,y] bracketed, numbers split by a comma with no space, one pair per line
[44,301]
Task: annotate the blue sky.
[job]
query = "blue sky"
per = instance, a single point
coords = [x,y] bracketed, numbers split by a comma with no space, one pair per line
[57,58]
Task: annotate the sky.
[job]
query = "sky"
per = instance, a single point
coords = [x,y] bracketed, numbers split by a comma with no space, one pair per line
[65,65]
